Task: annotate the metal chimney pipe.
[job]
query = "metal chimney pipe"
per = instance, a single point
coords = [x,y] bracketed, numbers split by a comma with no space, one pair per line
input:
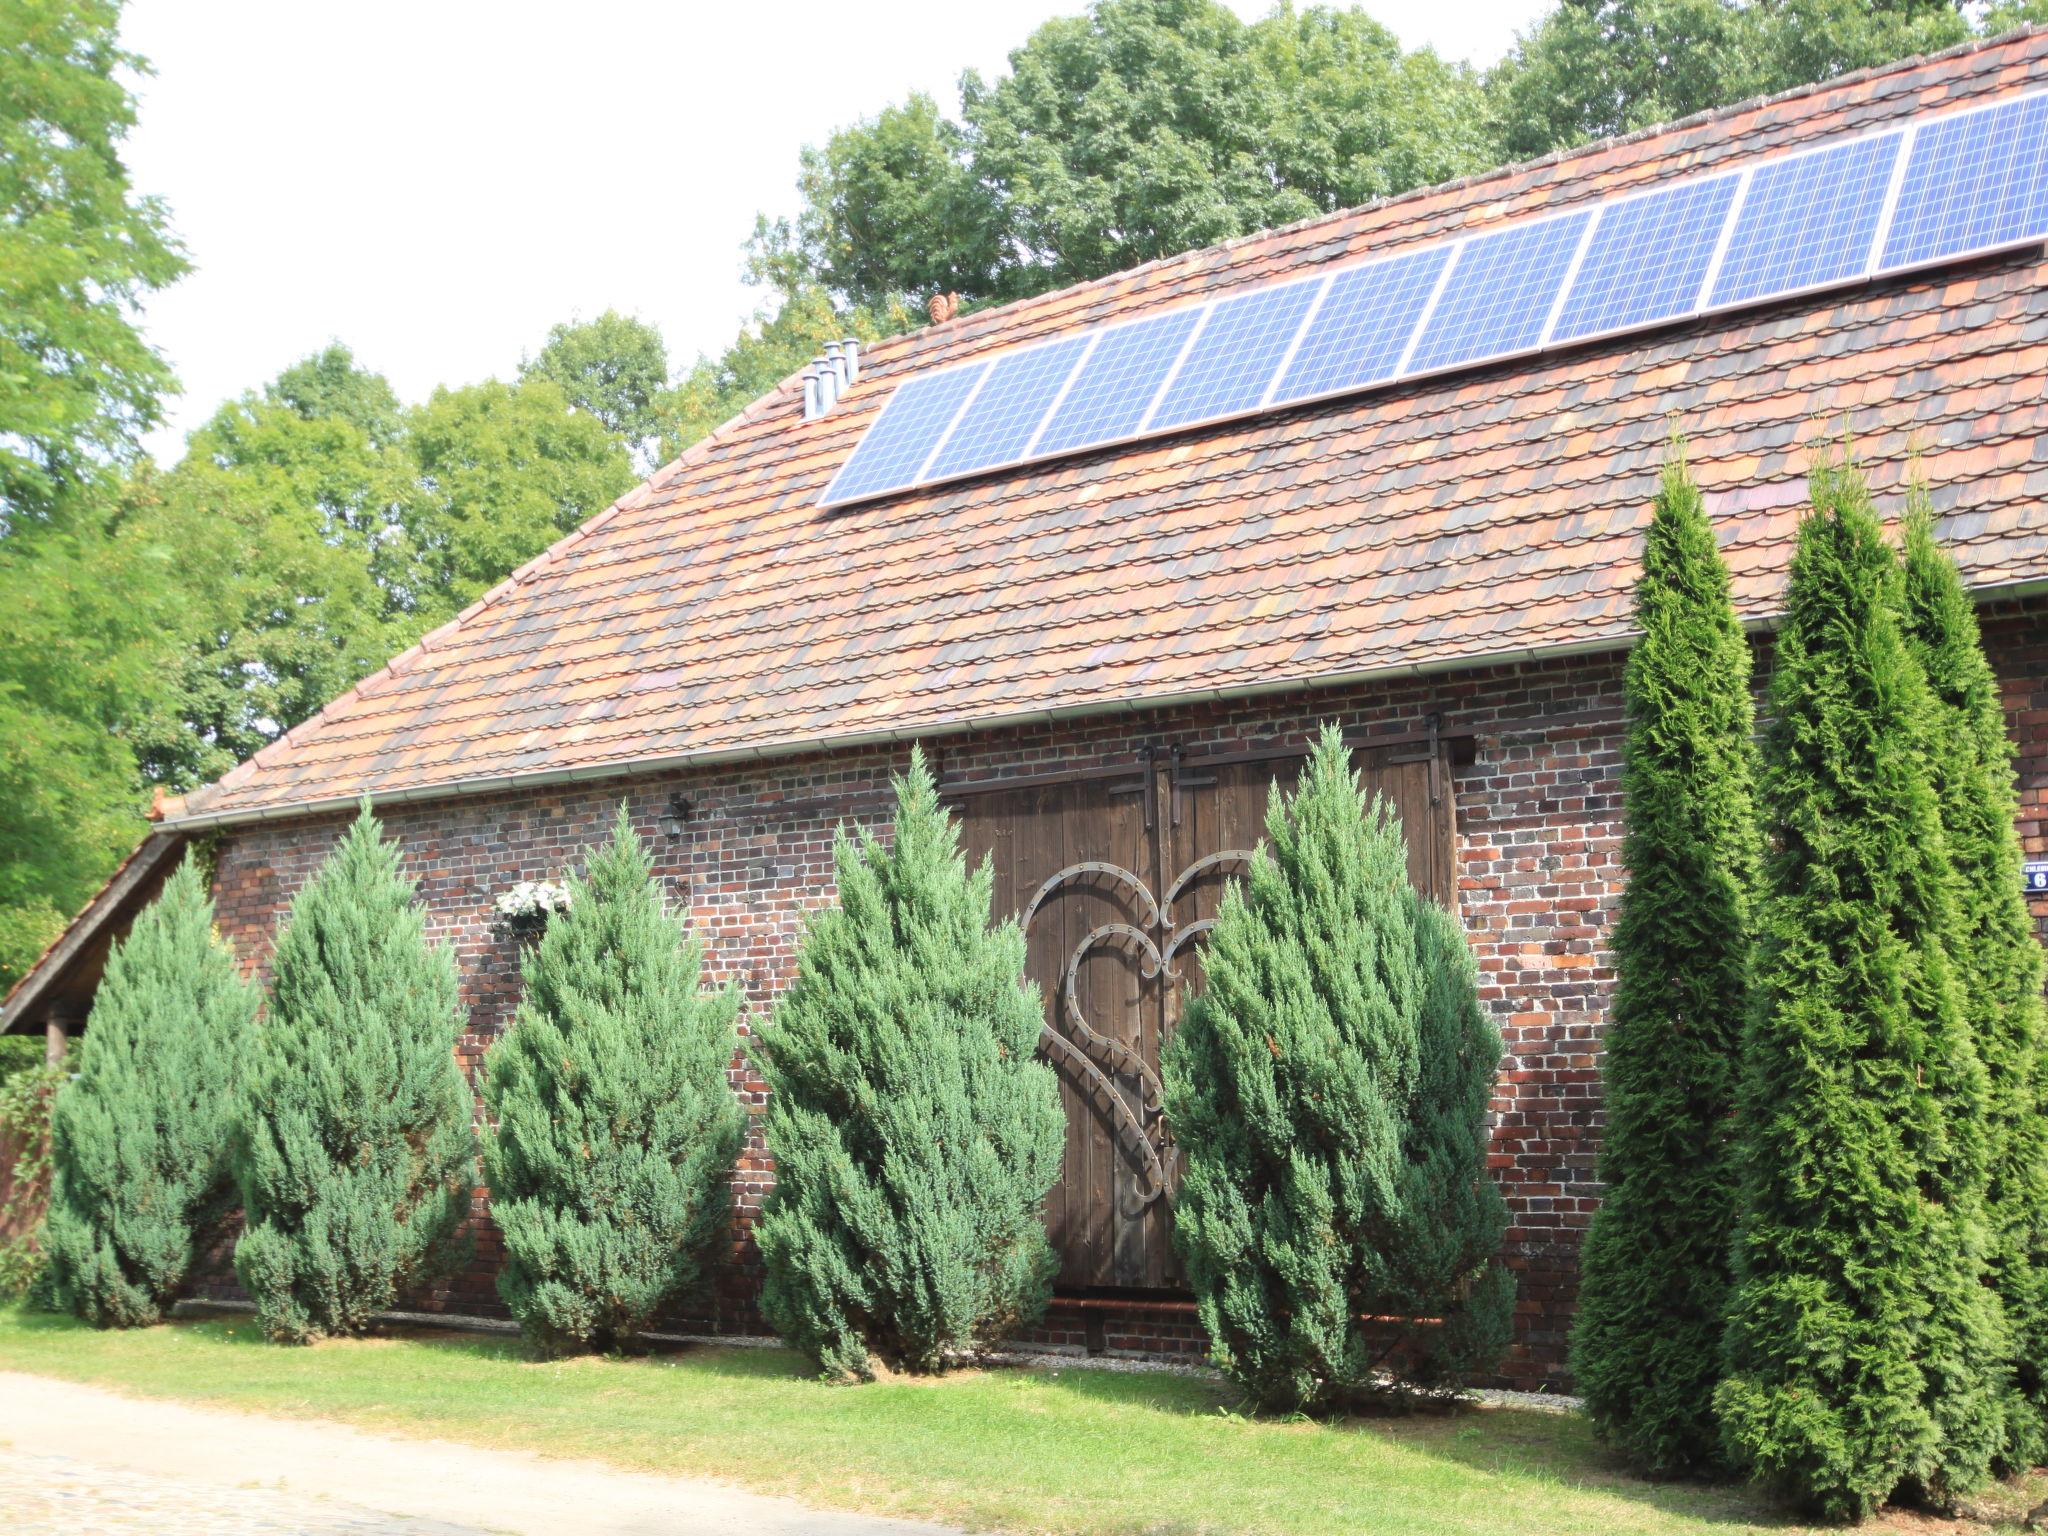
[835,359]
[849,350]
[828,386]
[811,410]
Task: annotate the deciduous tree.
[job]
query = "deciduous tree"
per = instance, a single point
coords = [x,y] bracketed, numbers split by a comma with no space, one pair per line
[80,249]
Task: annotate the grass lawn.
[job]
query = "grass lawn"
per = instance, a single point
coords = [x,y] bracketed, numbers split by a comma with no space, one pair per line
[1072,1450]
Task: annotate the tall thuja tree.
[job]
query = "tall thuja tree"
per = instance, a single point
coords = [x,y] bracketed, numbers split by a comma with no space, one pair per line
[915,1133]
[354,1155]
[1655,1268]
[1332,1173]
[616,1129]
[1998,960]
[1862,1349]
[140,1173]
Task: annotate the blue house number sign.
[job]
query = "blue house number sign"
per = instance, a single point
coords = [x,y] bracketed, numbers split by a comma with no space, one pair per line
[2037,878]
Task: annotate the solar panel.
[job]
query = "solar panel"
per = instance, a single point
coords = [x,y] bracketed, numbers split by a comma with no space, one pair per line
[999,421]
[896,446]
[1807,219]
[1358,334]
[1976,181]
[1954,184]
[1499,297]
[1646,259]
[1232,361]
[1113,392]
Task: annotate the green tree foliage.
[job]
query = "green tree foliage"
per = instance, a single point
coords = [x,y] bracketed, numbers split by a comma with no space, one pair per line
[1328,1088]
[789,330]
[1654,1267]
[79,250]
[1592,68]
[616,1129]
[321,527]
[354,1154]
[140,1134]
[1862,1350]
[1139,129]
[27,1092]
[287,508]
[1997,957]
[82,605]
[505,470]
[915,1133]
[615,368]
[91,608]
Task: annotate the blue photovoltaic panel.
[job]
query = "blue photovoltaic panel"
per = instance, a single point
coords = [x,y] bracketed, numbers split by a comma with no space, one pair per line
[894,449]
[1358,335]
[999,421]
[1499,295]
[1115,389]
[1807,220]
[1970,182]
[1973,182]
[1647,259]
[1232,361]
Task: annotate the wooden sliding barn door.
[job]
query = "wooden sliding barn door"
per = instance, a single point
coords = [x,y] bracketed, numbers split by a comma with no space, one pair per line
[1116,876]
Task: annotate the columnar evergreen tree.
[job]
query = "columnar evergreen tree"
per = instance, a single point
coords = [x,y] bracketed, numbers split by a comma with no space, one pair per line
[1655,1267]
[914,1132]
[354,1151]
[616,1129]
[1328,1089]
[1861,1349]
[1998,960]
[140,1173]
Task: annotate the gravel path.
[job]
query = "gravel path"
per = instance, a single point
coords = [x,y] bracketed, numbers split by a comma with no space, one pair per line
[80,1459]
[59,1496]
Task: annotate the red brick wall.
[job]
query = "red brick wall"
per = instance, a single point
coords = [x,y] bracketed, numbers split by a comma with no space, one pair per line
[1539,835]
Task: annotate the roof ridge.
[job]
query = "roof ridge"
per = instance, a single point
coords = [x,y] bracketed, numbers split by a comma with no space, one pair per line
[1497,173]
[640,495]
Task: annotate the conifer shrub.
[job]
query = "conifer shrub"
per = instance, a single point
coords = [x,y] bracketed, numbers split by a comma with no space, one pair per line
[354,1150]
[914,1131]
[1997,958]
[1654,1269]
[1328,1089]
[616,1130]
[1862,1350]
[140,1177]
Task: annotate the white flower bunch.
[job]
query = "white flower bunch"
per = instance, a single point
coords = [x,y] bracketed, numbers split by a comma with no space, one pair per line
[534,898]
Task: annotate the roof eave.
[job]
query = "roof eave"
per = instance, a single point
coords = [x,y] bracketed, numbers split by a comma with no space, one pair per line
[203,821]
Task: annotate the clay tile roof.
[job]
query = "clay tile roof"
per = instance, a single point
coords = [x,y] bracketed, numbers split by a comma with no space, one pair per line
[716,613]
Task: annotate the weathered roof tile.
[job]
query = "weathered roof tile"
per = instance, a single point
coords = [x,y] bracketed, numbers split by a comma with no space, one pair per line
[716,611]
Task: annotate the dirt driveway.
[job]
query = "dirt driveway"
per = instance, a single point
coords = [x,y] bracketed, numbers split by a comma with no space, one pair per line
[83,1459]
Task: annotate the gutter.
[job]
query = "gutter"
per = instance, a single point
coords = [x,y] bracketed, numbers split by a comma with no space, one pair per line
[712,757]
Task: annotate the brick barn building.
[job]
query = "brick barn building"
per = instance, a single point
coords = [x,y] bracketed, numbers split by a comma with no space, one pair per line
[1112,648]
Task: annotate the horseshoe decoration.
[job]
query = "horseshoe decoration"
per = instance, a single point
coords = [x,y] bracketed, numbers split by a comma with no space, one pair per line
[1096,1060]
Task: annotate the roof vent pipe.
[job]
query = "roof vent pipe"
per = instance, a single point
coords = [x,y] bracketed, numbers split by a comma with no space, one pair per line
[835,359]
[811,411]
[828,386]
[849,354]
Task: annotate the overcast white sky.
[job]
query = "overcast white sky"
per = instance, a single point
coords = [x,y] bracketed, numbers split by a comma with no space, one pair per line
[435,182]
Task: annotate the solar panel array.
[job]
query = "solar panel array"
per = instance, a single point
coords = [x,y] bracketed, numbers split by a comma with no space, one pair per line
[1957,184]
